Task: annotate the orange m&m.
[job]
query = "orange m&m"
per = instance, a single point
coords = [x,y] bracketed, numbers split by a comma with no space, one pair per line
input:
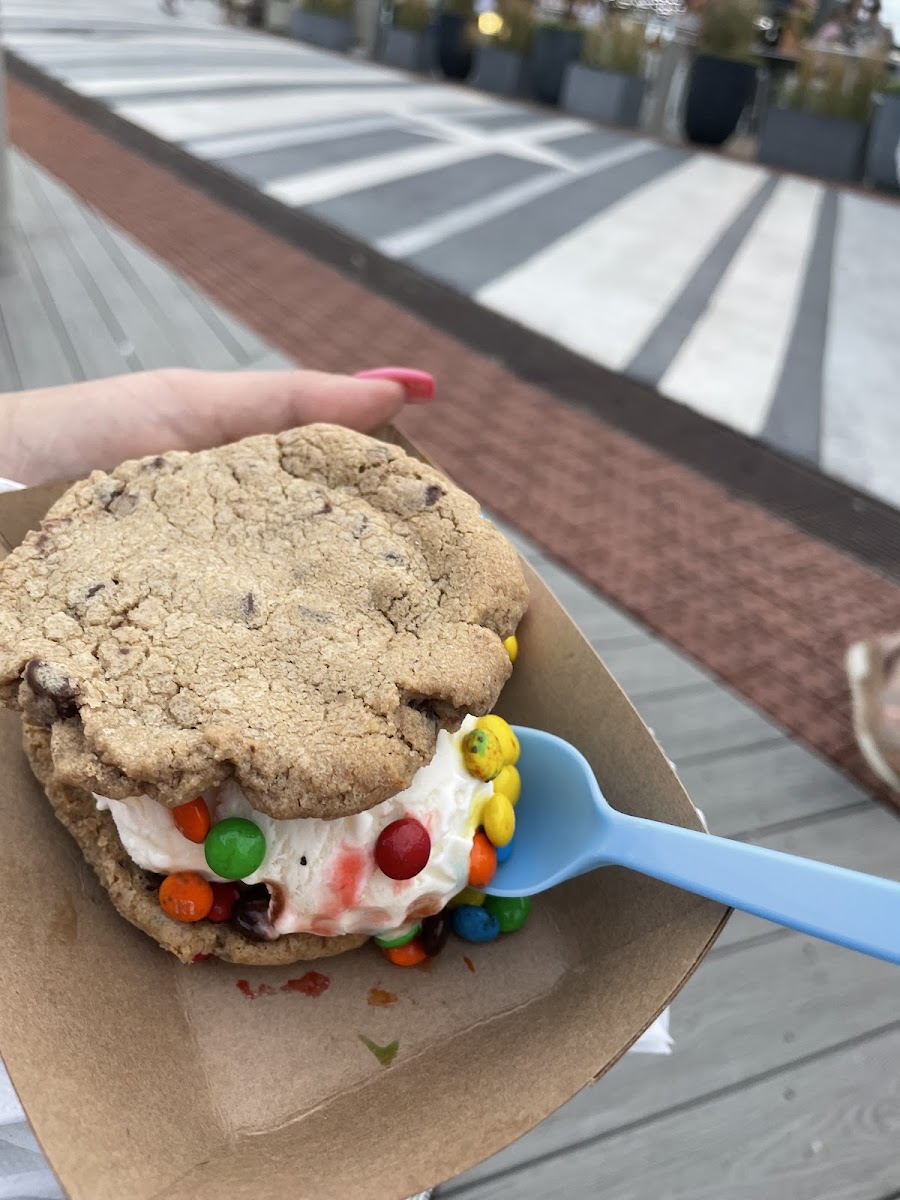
[192,820]
[482,861]
[410,954]
[185,896]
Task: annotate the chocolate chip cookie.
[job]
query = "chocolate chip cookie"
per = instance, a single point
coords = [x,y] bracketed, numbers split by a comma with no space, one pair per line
[302,612]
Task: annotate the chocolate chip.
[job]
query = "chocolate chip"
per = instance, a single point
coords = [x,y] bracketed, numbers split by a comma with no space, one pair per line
[302,860]
[122,505]
[108,490]
[154,464]
[433,493]
[326,508]
[93,590]
[359,529]
[251,914]
[49,683]
[248,605]
[394,557]
[435,932]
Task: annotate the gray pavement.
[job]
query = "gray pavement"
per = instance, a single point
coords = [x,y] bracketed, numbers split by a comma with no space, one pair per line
[764,302]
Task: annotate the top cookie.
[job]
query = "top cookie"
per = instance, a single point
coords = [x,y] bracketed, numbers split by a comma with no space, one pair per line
[303,612]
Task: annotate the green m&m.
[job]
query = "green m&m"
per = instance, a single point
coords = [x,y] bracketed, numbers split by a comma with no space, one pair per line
[392,939]
[511,911]
[234,848]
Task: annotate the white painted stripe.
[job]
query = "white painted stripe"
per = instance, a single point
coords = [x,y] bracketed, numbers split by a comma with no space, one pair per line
[235,114]
[315,186]
[273,139]
[861,379]
[209,81]
[730,363]
[469,216]
[602,289]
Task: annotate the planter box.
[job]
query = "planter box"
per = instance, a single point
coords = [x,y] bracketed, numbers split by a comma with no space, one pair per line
[408,49]
[453,41]
[277,17]
[719,89]
[608,96]
[829,147]
[331,33]
[554,50]
[883,157]
[502,71]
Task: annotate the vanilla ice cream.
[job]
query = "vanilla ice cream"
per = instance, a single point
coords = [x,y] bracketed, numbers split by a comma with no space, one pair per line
[322,874]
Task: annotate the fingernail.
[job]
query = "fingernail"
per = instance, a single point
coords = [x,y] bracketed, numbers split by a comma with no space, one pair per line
[418,385]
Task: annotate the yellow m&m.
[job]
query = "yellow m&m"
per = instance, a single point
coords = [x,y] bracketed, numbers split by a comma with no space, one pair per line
[499,820]
[482,754]
[509,784]
[503,732]
[511,646]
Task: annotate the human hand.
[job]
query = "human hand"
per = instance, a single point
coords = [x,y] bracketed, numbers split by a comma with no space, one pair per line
[66,432]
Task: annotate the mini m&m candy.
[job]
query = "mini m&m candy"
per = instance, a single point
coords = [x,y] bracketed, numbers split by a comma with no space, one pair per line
[391,940]
[482,754]
[511,646]
[475,924]
[403,849]
[468,895]
[410,954]
[185,896]
[435,932]
[503,732]
[225,897]
[509,784]
[234,848]
[482,862]
[499,820]
[192,820]
[511,911]
[503,852]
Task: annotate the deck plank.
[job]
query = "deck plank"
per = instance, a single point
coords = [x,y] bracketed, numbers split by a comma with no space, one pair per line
[705,721]
[825,1129]
[41,350]
[143,327]
[751,789]
[97,337]
[742,1016]
[865,840]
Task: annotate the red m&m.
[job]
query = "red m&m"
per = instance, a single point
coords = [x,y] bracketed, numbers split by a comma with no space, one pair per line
[403,848]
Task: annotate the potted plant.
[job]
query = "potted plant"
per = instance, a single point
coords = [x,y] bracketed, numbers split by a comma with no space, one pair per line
[820,123]
[883,157]
[277,15]
[557,43]
[722,77]
[454,38]
[407,41]
[502,58]
[326,23]
[608,83]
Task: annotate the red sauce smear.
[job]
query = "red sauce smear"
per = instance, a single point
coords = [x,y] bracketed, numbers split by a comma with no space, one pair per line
[348,878]
[313,983]
[379,997]
[469,963]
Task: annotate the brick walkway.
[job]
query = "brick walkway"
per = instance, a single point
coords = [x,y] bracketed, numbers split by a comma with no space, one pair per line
[768,609]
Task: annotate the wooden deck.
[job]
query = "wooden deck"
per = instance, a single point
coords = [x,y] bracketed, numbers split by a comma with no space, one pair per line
[785,1081]
[80,300]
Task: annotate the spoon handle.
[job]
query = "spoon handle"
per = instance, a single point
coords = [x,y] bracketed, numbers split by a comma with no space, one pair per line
[859,911]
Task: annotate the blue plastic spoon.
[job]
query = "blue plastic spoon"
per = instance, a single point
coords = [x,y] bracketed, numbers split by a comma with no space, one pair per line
[564,828]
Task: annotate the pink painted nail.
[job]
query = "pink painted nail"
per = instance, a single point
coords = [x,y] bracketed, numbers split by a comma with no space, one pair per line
[418,385]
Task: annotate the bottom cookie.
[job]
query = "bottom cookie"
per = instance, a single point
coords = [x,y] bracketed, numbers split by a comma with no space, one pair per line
[133,891]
